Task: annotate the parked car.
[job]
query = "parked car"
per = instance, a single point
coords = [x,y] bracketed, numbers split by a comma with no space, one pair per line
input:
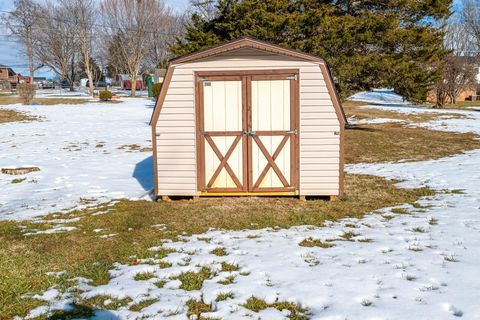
[48,85]
[65,84]
[98,84]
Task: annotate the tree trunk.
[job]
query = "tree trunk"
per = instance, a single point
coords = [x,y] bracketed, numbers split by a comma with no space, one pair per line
[133,81]
[72,74]
[88,71]
[30,55]
[441,96]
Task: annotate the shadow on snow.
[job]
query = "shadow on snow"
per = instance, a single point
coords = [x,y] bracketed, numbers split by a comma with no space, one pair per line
[143,172]
[80,311]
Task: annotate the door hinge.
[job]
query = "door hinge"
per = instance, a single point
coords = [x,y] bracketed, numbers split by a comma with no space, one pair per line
[292,131]
[292,77]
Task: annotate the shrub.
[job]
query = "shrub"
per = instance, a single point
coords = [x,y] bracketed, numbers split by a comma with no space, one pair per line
[105,95]
[26,91]
[156,87]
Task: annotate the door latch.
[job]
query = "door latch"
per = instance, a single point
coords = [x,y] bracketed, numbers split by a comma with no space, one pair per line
[249,133]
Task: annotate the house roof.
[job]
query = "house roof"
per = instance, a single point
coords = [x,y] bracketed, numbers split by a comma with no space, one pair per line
[247,42]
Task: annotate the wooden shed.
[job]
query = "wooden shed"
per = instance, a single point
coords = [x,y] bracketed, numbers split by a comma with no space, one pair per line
[248,118]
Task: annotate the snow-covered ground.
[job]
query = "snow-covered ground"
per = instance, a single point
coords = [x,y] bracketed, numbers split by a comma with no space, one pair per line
[447,120]
[379,96]
[420,265]
[84,156]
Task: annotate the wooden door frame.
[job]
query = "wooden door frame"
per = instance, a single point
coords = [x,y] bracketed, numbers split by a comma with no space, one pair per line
[246,76]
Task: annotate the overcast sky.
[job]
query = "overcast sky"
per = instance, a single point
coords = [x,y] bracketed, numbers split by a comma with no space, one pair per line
[11,56]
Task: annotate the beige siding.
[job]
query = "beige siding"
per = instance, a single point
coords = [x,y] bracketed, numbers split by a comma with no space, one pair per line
[319,145]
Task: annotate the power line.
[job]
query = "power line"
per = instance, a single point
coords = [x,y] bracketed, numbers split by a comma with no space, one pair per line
[96,25]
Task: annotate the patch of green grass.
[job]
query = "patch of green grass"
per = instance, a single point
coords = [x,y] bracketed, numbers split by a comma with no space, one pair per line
[194,280]
[348,235]
[219,252]
[394,142]
[142,304]
[256,305]
[9,115]
[160,283]
[106,302]
[142,276]
[24,261]
[350,225]
[457,191]
[418,229]
[43,101]
[309,242]
[164,264]
[432,221]
[196,308]
[18,180]
[228,267]
[366,302]
[224,296]
[365,240]
[228,280]
[76,311]
[415,248]
[416,205]
[449,258]
[399,210]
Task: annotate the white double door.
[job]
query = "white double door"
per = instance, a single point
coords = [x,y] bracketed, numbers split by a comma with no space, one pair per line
[247,133]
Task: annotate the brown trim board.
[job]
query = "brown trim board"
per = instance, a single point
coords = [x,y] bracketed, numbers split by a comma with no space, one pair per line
[245,42]
[343,121]
[162,95]
[153,123]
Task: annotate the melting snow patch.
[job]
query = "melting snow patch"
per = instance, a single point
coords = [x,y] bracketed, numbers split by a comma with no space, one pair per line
[76,147]
[379,96]
[56,229]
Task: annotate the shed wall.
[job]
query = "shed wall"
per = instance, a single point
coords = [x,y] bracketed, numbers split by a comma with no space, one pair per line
[175,129]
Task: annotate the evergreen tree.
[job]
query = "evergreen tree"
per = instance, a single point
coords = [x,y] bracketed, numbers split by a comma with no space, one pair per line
[367,44]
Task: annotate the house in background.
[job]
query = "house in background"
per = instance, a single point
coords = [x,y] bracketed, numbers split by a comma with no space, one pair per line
[159,75]
[126,84]
[470,92]
[8,77]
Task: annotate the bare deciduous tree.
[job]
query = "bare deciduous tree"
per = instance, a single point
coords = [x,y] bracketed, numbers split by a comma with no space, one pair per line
[83,15]
[170,26]
[207,9]
[132,21]
[22,22]
[459,74]
[470,15]
[58,42]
